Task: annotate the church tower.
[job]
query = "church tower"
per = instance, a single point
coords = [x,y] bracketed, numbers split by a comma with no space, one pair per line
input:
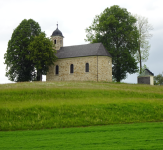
[57,38]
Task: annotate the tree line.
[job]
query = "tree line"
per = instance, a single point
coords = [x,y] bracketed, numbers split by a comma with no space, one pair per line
[125,36]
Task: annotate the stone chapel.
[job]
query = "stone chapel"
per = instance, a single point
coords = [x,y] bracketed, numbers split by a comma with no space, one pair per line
[88,62]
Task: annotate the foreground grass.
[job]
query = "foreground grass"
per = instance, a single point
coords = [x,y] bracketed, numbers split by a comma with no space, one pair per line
[25,106]
[146,136]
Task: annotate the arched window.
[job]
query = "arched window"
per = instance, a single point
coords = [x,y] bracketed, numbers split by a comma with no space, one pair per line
[57,70]
[55,41]
[71,68]
[87,67]
[60,41]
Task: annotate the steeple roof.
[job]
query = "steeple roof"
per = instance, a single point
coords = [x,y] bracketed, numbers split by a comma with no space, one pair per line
[57,32]
[95,49]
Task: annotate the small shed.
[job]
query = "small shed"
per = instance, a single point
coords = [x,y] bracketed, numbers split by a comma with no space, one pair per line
[146,77]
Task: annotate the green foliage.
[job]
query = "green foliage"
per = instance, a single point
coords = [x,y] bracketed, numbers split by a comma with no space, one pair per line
[116,29]
[142,136]
[71,104]
[142,69]
[158,80]
[42,53]
[19,67]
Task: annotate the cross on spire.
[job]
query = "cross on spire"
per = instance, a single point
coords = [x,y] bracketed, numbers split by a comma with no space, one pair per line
[57,24]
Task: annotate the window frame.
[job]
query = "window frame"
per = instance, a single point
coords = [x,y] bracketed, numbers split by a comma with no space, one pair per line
[55,41]
[71,68]
[56,70]
[87,67]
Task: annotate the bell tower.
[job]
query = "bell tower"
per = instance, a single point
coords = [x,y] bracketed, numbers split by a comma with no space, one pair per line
[57,38]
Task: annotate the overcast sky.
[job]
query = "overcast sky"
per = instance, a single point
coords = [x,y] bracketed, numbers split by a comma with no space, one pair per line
[73,18]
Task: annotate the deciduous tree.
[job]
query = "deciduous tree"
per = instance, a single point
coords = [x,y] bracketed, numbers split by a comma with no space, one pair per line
[19,67]
[42,54]
[115,28]
[158,80]
[143,44]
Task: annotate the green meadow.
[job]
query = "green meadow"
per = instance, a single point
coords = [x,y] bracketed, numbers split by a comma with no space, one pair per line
[138,136]
[81,115]
[47,105]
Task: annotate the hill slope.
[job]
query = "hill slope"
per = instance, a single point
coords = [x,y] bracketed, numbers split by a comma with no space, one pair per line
[40,105]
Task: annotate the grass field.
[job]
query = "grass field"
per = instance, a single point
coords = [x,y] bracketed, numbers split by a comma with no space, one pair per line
[107,116]
[46,105]
[140,136]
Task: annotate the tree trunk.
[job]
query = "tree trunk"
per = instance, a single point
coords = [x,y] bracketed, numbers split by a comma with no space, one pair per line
[140,66]
[39,75]
[140,59]
[118,69]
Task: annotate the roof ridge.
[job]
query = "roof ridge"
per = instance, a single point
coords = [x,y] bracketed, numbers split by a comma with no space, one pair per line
[81,44]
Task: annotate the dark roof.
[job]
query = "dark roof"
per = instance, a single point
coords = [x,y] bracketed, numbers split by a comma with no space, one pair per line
[146,72]
[96,49]
[57,32]
[150,72]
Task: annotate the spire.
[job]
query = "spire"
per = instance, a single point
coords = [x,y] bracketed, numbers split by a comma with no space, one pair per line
[57,24]
[57,32]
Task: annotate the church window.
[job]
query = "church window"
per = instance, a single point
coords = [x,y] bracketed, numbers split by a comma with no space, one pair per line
[57,70]
[71,68]
[87,67]
[55,41]
[60,41]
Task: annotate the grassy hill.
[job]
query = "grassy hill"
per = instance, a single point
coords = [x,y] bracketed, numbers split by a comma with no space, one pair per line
[46,105]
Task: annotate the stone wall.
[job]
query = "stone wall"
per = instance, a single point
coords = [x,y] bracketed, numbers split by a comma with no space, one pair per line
[100,69]
[59,41]
[104,68]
